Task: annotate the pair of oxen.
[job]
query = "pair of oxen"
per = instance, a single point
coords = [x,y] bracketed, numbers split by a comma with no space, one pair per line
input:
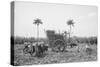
[35,49]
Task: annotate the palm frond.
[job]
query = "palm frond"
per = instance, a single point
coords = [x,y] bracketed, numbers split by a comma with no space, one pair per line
[37,21]
[70,22]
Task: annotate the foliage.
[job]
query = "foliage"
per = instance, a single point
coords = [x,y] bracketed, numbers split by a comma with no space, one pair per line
[37,21]
[22,40]
[88,40]
[70,22]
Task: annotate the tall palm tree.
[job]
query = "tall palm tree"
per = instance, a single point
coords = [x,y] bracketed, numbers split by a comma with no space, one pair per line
[37,22]
[71,24]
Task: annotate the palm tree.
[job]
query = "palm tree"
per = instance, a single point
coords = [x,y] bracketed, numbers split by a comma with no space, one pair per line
[71,24]
[37,22]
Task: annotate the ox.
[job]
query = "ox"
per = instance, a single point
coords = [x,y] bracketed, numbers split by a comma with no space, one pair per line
[31,49]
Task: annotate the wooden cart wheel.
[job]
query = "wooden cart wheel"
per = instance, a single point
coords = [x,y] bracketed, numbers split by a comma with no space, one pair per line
[59,44]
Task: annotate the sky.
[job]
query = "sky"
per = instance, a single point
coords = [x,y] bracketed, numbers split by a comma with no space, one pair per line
[54,17]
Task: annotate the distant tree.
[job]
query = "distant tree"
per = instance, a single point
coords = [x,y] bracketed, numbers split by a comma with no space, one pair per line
[37,22]
[93,40]
[71,24]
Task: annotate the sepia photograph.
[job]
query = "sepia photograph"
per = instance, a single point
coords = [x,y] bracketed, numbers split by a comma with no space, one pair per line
[53,33]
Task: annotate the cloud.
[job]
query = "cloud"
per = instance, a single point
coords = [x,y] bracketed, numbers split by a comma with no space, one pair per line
[91,14]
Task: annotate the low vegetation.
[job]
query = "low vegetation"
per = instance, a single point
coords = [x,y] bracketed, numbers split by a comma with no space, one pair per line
[85,50]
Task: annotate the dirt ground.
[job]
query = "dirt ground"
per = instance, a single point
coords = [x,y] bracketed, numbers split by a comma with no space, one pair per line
[75,54]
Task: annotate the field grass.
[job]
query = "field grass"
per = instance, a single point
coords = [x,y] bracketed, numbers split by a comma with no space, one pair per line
[76,54]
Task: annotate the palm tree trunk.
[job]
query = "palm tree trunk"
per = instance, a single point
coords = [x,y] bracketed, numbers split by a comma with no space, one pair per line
[37,34]
[70,34]
[37,40]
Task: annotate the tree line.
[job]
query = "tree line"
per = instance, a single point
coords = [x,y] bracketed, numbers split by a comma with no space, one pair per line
[22,40]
